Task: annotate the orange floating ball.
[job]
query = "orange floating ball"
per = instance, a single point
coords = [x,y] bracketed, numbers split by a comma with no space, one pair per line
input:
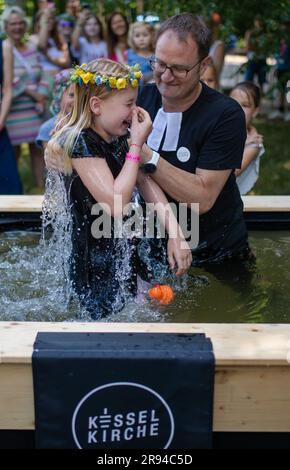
[162,293]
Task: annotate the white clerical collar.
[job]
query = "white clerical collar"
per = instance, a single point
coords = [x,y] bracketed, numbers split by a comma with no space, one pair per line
[172,123]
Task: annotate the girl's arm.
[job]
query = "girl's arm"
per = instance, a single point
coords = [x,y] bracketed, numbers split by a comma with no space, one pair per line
[62,61]
[252,149]
[78,29]
[43,35]
[178,249]
[7,84]
[98,179]
[250,153]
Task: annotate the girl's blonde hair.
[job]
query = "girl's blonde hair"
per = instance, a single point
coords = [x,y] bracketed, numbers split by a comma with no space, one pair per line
[82,116]
[132,30]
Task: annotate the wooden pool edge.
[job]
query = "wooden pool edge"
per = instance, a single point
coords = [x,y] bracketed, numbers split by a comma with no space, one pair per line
[252,378]
[33,204]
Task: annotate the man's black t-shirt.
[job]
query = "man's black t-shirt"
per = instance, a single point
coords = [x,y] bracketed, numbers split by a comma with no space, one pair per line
[212,135]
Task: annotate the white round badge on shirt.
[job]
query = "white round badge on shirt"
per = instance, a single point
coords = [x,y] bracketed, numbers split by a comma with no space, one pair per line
[183,154]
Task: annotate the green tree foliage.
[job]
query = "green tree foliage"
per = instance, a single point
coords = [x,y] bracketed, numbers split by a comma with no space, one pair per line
[237,15]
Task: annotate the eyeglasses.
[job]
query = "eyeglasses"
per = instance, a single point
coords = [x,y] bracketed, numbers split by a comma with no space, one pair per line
[178,71]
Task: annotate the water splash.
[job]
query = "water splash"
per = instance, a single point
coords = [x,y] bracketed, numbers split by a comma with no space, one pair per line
[35,282]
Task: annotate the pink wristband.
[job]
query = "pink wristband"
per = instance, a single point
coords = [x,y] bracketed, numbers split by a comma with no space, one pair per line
[132,157]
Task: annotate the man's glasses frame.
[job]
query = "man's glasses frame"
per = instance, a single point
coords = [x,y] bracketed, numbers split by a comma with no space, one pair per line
[178,71]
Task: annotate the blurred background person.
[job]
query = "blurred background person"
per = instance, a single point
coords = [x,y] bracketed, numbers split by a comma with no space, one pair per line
[9,178]
[53,51]
[257,48]
[283,73]
[248,95]
[141,41]
[88,38]
[117,37]
[217,47]
[61,107]
[30,91]
[65,27]
[210,76]
[73,8]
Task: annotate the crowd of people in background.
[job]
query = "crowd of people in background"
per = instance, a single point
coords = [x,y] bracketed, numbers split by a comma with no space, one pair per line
[36,93]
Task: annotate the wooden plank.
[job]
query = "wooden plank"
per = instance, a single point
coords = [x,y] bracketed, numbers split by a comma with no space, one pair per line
[266,203]
[246,399]
[21,203]
[252,399]
[251,203]
[252,381]
[234,344]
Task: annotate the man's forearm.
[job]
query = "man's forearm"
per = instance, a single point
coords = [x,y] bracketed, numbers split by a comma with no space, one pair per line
[179,184]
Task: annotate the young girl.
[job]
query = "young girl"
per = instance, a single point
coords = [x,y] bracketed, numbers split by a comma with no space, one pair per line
[102,167]
[87,38]
[141,37]
[247,94]
[61,107]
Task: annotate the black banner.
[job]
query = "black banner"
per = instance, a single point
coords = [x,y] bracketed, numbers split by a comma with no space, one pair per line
[123,391]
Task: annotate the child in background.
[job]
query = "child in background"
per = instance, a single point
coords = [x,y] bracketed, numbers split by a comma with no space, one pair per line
[88,39]
[210,76]
[101,166]
[248,95]
[141,37]
[61,107]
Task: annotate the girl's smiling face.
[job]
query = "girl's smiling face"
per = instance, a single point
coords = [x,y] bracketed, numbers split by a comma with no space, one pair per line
[118,25]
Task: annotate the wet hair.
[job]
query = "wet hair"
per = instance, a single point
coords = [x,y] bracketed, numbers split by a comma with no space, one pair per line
[112,39]
[132,29]
[252,91]
[186,24]
[82,116]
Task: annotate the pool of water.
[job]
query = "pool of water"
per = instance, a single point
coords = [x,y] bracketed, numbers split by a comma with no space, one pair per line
[32,287]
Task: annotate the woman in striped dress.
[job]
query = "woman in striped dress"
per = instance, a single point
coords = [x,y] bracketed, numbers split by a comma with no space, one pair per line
[29,92]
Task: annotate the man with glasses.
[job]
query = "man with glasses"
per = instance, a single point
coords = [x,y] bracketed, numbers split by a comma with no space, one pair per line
[196,144]
[197,139]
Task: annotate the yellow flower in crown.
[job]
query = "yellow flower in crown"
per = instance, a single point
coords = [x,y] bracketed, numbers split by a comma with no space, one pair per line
[87,77]
[138,75]
[121,83]
[113,82]
[134,83]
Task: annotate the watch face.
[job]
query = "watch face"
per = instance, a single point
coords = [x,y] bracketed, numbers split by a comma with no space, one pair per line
[149,168]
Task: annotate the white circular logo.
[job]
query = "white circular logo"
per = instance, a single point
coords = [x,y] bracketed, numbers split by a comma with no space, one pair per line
[122,415]
[183,154]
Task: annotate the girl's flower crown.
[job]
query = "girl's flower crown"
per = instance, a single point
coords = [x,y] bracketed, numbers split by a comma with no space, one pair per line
[82,76]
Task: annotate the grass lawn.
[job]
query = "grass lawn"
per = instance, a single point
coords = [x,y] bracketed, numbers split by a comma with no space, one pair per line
[275,163]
